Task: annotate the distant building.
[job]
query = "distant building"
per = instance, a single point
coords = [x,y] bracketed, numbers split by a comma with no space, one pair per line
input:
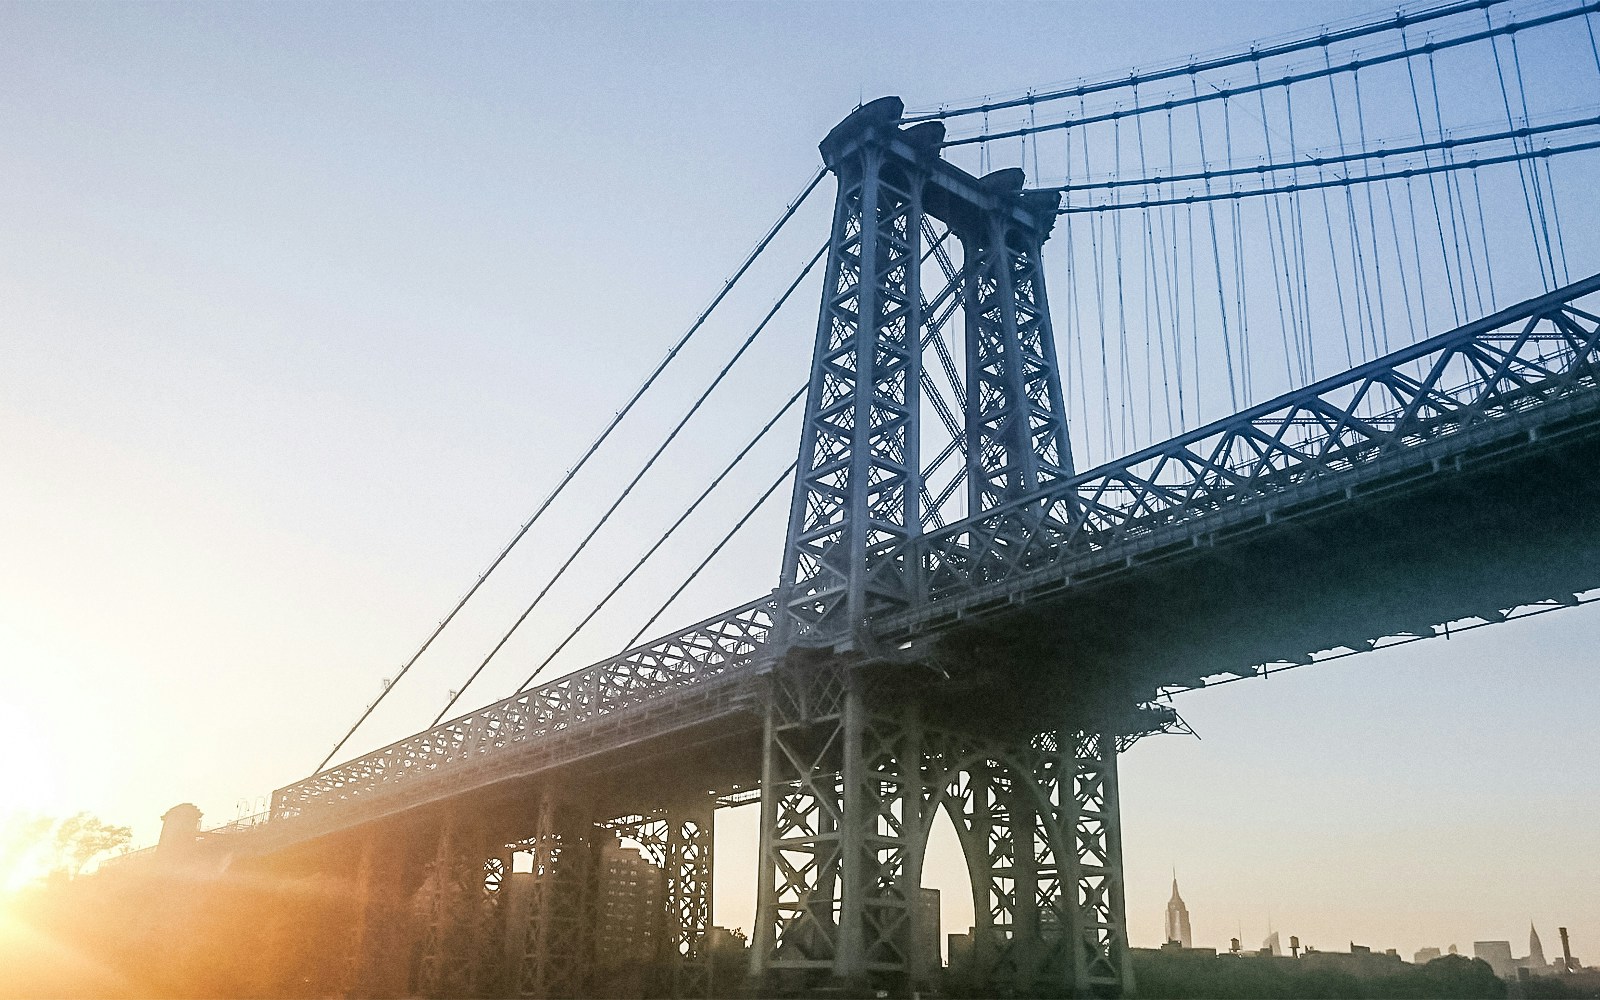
[1426,955]
[628,906]
[1498,955]
[724,940]
[726,954]
[959,973]
[180,829]
[1535,961]
[1360,961]
[926,945]
[1271,946]
[958,947]
[1178,919]
[1568,963]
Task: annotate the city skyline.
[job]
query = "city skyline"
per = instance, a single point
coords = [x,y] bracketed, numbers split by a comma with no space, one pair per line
[303,309]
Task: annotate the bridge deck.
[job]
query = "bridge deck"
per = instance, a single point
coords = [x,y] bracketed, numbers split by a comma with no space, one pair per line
[1506,389]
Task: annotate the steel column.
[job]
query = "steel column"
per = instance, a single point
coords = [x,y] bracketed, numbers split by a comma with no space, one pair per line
[379,943]
[457,948]
[558,944]
[858,488]
[1040,830]
[841,806]
[689,851]
[1016,421]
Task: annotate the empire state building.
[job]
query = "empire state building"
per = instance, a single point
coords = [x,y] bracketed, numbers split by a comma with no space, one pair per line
[1177,919]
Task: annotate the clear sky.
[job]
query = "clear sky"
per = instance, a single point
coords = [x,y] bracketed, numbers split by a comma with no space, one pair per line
[303,309]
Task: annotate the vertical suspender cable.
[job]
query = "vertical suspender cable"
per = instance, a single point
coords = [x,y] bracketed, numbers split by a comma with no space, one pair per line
[1169,220]
[1154,299]
[1533,164]
[1095,224]
[1298,230]
[1216,251]
[1333,259]
[1452,190]
[1129,422]
[1527,199]
[1555,216]
[1433,190]
[1416,247]
[1288,321]
[1394,229]
[1372,213]
[1358,262]
[1483,237]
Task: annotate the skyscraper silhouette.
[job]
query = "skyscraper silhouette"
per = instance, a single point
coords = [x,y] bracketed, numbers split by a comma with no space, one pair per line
[1178,919]
[1535,949]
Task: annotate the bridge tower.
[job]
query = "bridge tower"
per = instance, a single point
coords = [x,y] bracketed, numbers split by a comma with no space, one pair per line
[853,776]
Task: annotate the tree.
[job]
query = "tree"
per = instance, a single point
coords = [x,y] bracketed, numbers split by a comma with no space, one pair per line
[82,838]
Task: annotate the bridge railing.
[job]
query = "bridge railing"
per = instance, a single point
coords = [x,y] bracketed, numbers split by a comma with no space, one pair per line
[1484,376]
[703,651]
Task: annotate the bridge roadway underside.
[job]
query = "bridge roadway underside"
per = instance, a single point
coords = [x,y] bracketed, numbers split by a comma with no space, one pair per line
[1397,559]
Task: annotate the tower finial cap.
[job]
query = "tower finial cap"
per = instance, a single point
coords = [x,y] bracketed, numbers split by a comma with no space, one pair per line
[873,114]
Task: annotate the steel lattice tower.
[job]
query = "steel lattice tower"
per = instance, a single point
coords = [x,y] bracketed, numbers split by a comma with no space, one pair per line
[853,774]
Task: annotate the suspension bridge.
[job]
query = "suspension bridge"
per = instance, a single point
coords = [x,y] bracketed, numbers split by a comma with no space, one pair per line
[1326,381]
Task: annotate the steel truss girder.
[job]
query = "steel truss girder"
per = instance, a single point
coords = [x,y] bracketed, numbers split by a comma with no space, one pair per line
[482,744]
[850,787]
[1507,376]
[1500,378]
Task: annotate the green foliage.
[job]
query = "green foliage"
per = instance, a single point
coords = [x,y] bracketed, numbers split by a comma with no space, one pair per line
[82,838]
[1227,977]
[1579,987]
[35,846]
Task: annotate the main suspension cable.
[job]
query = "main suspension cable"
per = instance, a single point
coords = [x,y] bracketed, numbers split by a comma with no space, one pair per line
[1369,153]
[628,489]
[567,477]
[760,501]
[666,535]
[1399,20]
[1353,64]
[1470,164]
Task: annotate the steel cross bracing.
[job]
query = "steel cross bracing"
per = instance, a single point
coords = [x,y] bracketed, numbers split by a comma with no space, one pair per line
[460,931]
[1016,424]
[1515,377]
[1503,380]
[853,765]
[859,484]
[854,780]
[532,724]
[860,488]
[1039,827]
[1500,379]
